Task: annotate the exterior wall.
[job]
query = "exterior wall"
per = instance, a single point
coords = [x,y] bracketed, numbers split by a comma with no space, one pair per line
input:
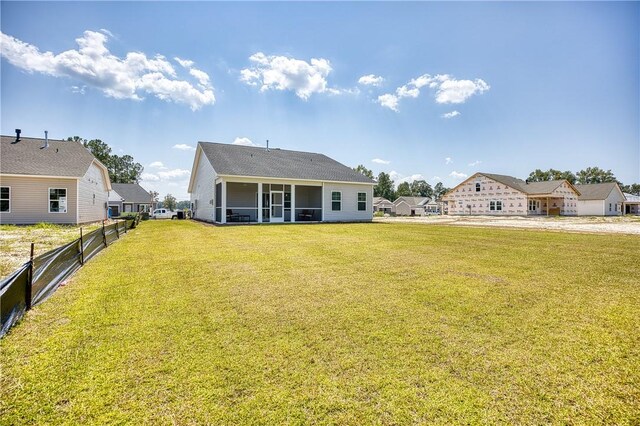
[615,199]
[569,203]
[202,197]
[514,202]
[92,196]
[30,200]
[404,209]
[590,207]
[349,211]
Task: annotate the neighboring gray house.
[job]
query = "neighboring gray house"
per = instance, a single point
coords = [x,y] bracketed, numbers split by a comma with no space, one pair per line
[600,199]
[410,206]
[50,181]
[129,197]
[382,205]
[234,183]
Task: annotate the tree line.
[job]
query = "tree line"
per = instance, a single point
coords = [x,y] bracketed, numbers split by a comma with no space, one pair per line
[385,186]
[587,176]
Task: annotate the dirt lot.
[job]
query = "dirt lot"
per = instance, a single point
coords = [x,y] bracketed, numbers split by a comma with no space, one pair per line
[15,241]
[598,225]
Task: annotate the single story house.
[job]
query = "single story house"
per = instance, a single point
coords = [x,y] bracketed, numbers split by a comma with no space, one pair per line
[235,183]
[381,204]
[410,206]
[600,199]
[129,197]
[54,181]
[631,204]
[433,206]
[491,194]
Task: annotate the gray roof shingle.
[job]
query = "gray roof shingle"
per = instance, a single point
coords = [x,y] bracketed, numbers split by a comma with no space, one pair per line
[61,158]
[131,192]
[595,191]
[239,160]
[545,187]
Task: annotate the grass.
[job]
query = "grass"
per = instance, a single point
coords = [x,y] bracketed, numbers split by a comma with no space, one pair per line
[16,241]
[185,323]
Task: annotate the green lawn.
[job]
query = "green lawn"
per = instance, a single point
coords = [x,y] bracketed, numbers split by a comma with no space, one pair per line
[184,323]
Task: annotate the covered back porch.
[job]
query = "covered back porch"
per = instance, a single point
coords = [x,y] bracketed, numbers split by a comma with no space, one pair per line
[545,205]
[268,202]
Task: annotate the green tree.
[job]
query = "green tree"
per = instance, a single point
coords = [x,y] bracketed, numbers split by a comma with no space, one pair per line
[183,205]
[633,189]
[169,202]
[384,187]
[595,175]
[420,188]
[404,190]
[362,169]
[551,174]
[439,190]
[122,169]
[154,195]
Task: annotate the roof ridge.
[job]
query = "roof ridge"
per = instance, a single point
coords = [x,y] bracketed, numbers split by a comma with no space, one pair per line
[261,147]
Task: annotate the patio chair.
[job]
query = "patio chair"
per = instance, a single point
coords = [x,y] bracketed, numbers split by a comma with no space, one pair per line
[305,215]
[232,217]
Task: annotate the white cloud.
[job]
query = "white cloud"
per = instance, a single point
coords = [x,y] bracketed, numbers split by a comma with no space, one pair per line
[458,91]
[399,178]
[184,62]
[448,160]
[174,174]
[457,175]
[184,147]
[149,177]
[79,89]
[380,161]
[283,73]
[107,32]
[475,163]
[94,65]
[436,179]
[388,100]
[448,91]
[157,165]
[370,80]
[243,141]
[451,114]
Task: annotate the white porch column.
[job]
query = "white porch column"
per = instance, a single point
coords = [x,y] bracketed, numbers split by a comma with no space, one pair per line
[259,202]
[293,203]
[223,218]
[322,205]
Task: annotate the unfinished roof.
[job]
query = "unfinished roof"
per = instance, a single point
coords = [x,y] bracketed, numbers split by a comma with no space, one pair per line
[596,191]
[531,188]
[238,160]
[131,192]
[27,157]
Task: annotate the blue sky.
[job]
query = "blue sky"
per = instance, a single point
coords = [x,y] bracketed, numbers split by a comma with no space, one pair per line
[420,90]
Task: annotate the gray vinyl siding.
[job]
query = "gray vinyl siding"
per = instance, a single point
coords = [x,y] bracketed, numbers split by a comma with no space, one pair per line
[349,211]
[203,191]
[93,182]
[30,200]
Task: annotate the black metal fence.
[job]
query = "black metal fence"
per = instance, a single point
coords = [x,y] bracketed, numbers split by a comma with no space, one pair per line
[39,278]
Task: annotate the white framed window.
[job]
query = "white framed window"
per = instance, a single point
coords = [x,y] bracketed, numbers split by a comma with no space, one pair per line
[5,199]
[362,201]
[495,206]
[57,200]
[499,205]
[477,187]
[534,205]
[336,201]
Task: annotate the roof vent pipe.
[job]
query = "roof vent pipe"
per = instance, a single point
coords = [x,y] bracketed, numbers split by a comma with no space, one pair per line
[267,145]
[18,131]
[46,140]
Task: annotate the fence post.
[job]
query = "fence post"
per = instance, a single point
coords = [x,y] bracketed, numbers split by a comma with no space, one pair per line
[104,235]
[125,226]
[117,229]
[29,290]
[81,248]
